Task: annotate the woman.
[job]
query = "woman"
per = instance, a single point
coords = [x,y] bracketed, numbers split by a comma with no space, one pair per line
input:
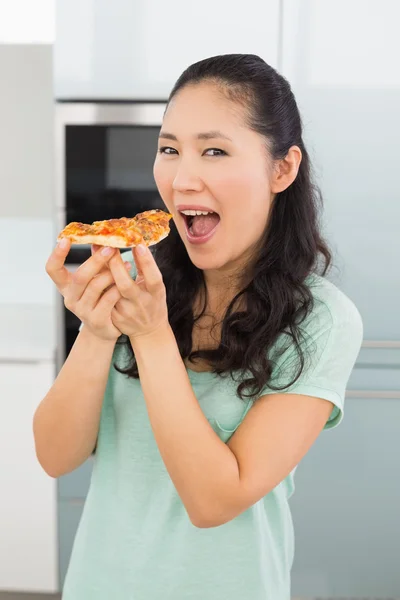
[242,347]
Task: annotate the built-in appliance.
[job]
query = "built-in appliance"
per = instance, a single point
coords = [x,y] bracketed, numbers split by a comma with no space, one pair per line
[104,169]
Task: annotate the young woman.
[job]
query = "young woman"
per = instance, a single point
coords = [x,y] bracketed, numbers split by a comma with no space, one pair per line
[233,354]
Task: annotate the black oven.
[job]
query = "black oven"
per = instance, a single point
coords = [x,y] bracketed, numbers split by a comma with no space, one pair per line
[104,169]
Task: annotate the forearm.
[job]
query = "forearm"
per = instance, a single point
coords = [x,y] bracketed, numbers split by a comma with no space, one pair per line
[203,469]
[66,422]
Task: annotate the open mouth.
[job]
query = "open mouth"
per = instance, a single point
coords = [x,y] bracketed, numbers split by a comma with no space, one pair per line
[200,225]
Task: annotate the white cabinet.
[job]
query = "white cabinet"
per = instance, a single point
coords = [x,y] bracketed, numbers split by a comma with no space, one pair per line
[26,126]
[341,59]
[28,499]
[137,50]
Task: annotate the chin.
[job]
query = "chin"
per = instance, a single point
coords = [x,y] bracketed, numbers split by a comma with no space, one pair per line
[212,262]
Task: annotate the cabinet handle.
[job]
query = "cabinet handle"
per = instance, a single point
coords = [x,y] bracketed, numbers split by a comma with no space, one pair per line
[23,361]
[378,394]
[380,344]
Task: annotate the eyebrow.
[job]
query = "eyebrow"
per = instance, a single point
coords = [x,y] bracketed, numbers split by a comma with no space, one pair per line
[207,135]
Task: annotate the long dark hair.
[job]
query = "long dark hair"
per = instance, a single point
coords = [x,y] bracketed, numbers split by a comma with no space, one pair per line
[277,299]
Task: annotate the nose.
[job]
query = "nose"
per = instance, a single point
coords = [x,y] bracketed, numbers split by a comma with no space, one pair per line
[186,179]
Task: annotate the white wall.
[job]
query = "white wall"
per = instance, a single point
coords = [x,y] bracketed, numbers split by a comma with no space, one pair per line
[27,21]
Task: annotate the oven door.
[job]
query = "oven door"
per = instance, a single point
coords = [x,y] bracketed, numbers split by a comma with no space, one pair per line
[104,169]
[105,156]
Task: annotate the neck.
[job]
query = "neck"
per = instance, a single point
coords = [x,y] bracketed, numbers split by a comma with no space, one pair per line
[221,289]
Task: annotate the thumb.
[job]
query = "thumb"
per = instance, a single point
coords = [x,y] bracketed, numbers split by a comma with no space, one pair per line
[136,259]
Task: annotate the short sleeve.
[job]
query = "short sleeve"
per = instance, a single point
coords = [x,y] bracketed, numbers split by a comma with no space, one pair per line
[331,339]
[126,257]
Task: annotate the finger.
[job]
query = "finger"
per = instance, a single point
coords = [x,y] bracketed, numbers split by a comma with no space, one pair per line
[95,248]
[94,290]
[122,278]
[85,273]
[148,268]
[106,303]
[55,265]
[139,274]
[127,265]
[100,284]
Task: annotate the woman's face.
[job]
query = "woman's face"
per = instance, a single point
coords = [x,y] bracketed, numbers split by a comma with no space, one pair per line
[208,160]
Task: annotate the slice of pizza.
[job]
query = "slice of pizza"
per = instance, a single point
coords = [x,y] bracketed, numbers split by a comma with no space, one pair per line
[148,228]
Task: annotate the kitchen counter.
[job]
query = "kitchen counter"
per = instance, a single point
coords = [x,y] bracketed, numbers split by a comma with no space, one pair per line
[27,332]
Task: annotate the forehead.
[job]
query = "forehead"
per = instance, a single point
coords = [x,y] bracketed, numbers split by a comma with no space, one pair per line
[201,107]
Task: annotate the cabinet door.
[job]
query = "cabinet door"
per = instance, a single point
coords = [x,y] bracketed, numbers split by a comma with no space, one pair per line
[342,61]
[28,501]
[346,508]
[26,140]
[136,50]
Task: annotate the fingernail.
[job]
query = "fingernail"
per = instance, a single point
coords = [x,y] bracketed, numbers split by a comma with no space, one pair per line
[141,250]
[107,251]
[63,243]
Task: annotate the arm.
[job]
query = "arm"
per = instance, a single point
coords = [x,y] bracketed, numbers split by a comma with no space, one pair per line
[66,422]
[202,468]
[218,481]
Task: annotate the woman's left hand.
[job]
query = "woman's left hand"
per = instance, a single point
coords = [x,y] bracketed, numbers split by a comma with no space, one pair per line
[142,310]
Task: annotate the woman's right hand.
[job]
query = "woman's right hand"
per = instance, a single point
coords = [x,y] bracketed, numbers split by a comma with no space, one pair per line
[90,292]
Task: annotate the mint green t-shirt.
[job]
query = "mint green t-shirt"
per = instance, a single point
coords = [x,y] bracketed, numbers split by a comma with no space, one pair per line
[135,540]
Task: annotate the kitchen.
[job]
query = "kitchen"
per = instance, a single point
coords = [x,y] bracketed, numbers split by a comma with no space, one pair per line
[83,87]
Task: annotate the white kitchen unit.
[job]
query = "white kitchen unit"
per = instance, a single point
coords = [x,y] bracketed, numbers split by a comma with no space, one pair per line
[28,506]
[26,126]
[341,58]
[28,502]
[137,50]
[28,496]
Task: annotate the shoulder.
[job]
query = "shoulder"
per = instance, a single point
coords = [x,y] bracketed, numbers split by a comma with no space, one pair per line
[332,326]
[330,338]
[332,308]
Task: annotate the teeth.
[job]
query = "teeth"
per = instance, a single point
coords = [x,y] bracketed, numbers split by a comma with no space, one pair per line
[193,213]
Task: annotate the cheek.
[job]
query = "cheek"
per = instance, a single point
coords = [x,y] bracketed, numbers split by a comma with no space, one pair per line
[246,206]
[162,177]
[244,191]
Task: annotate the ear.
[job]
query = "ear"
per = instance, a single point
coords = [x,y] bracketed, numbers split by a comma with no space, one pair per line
[285,170]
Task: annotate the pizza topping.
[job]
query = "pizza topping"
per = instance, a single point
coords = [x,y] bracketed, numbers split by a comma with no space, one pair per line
[149,227]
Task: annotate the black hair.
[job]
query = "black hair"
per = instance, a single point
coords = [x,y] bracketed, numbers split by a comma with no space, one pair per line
[277,299]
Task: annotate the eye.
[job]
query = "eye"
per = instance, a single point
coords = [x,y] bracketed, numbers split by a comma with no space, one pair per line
[220,152]
[163,149]
[170,151]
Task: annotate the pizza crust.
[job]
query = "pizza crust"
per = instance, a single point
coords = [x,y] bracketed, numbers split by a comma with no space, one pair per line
[113,241]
